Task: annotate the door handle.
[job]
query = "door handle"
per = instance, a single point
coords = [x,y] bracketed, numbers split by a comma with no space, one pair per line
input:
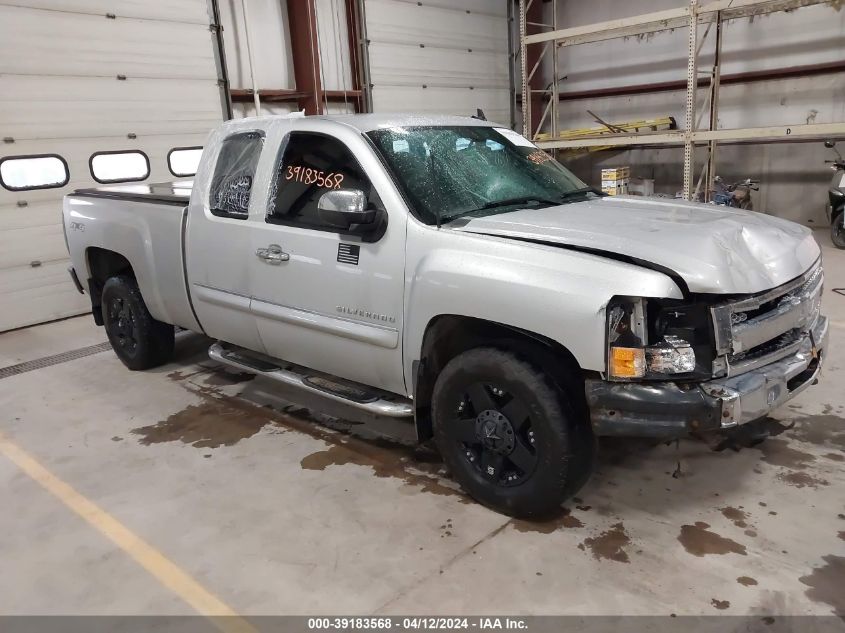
[273,254]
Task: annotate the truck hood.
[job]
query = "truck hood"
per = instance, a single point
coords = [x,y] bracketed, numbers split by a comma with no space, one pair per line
[714,249]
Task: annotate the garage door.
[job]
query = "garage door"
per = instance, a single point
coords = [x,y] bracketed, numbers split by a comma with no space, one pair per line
[78,77]
[439,56]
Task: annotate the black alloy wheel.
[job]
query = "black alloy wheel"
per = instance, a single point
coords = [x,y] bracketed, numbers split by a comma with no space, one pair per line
[509,433]
[139,340]
[123,325]
[493,428]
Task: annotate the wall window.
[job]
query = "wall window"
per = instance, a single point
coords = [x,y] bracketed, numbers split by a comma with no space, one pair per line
[311,165]
[183,161]
[119,166]
[234,174]
[39,171]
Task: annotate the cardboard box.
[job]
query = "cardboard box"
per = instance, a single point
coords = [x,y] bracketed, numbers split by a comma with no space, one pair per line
[616,173]
[616,190]
[621,182]
[617,187]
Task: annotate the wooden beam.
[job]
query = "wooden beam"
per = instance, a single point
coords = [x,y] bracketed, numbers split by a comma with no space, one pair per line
[779,133]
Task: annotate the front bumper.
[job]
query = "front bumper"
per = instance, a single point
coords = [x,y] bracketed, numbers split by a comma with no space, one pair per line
[667,409]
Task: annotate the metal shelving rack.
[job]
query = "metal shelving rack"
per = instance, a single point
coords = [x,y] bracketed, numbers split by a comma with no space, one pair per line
[691,16]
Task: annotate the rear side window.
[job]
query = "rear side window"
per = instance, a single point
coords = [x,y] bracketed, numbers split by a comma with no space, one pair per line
[119,166]
[234,174]
[309,166]
[39,171]
[183,161]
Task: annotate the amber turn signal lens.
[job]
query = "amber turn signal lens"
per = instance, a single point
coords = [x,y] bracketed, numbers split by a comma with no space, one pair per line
[627,362]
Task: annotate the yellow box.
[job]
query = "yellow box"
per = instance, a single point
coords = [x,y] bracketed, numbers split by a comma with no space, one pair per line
[616,190]
[615,173]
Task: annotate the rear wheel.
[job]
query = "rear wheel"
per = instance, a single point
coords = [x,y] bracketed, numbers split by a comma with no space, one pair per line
[837,230]
[508,433]
[139,341]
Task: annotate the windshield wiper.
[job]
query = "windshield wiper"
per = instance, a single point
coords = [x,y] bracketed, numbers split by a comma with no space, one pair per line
[514,201]
[510,202]
[578,192]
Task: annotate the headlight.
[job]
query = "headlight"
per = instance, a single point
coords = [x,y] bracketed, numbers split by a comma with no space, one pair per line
[644,342]
[672,355]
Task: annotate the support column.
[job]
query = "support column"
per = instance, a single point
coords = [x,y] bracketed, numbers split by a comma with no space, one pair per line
[302,21]
[529,59]
[715,81]
[353,30]
[523,65]
[692,85]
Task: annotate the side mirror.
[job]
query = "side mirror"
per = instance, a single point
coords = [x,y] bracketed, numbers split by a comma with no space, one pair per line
[342,208]
[829,144]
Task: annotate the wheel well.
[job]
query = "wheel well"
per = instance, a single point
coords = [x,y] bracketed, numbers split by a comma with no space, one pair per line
[449,335]
[102,264]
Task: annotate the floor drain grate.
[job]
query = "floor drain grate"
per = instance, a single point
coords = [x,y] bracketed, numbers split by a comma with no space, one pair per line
[49,361]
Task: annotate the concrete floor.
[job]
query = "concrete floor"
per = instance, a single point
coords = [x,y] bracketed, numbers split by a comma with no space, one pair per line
[202,473]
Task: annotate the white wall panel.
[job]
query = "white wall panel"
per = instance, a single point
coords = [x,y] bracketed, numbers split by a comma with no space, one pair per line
[794,179]
[403,65]
[270,41]
[155,147]
[429,101]
[439,57]
[38,107]
[60,44]
[810,35]
[59,93]
[333,36]
[192,11]
[446,26]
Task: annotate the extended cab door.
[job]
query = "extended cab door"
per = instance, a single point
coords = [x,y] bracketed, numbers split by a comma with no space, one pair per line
[218,239]
[323,299]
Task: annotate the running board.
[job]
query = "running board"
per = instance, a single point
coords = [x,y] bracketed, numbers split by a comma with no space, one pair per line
[339,390]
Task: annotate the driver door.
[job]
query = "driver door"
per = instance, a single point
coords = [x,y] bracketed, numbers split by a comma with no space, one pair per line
[322,299]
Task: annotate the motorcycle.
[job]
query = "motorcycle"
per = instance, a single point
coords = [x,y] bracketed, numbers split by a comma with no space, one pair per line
[736,195]
[836,198]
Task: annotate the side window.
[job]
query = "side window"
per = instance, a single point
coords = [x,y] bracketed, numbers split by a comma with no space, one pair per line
[183,161]
[309,166]
[119,166]
[234,174]
[39,171]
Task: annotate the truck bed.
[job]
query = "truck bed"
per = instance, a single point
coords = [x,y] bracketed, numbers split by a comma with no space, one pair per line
[144,223]
[176,193]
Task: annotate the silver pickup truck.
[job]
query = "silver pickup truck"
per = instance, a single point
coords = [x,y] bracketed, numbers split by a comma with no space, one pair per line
[448,271]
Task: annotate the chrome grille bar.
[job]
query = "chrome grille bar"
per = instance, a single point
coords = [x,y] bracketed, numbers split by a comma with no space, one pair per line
[796,308]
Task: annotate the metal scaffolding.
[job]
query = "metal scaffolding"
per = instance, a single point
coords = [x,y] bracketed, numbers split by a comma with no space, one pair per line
[540,102]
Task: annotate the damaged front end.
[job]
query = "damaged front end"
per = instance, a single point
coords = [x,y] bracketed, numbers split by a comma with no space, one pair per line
[707,363]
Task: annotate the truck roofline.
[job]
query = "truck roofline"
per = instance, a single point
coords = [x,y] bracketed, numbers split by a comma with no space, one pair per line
[368,122]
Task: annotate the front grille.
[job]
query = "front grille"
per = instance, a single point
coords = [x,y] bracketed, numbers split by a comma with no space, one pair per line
[762,328]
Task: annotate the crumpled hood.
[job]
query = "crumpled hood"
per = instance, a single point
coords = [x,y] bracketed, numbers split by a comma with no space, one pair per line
[715,249]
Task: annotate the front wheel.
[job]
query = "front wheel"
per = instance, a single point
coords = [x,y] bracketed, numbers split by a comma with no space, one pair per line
[837,230]
[139,341]
[508,434]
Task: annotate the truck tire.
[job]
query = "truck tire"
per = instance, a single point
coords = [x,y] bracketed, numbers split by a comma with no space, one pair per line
[508,434]
[837,229]
[139,341]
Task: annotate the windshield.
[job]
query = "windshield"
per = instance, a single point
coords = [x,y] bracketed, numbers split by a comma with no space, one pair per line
[452,172]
